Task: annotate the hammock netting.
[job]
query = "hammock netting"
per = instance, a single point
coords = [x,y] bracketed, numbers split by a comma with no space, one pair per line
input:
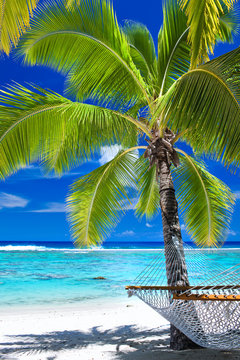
[208,309]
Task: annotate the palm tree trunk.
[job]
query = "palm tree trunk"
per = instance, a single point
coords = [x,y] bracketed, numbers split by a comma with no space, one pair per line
[173,245]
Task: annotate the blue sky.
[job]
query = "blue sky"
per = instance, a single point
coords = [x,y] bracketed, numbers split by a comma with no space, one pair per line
[32,205]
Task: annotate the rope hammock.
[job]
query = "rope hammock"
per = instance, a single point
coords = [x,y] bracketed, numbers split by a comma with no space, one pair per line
[208,310]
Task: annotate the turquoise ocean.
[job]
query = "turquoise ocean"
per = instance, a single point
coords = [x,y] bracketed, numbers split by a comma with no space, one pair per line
[56,274]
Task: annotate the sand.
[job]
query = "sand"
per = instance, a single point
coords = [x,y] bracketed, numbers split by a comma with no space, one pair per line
[123,330]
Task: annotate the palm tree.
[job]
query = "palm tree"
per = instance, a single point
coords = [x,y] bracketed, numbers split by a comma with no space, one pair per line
[126,94]
[14,20]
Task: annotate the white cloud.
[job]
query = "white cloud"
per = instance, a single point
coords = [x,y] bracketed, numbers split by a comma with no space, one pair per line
[149,225]
[67,174]
[232,232]
[52,207]
[108,153]
[35,172]
[126,233]
[12,201]
[127,206]
[183,227]
[30,166]
[237,195]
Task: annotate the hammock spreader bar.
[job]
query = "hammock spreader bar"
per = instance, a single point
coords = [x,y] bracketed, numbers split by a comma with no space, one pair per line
[182,288]
[208,310]
[206,297]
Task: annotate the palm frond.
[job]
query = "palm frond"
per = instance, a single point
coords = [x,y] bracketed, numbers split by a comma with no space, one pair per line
[36,124]
[70,2]
[173,49]
[142,49]
[96,201]
[148,188]
[205,202]
[204,21]
[228,66]
[204,105]
[14,19]
[140,63]
[85,42]
[228,24]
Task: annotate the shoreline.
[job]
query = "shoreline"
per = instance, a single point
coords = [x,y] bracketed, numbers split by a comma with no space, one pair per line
[11,248]
[121,330]
[90,305]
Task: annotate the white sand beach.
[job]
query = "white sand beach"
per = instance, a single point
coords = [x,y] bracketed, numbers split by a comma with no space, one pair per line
[125,330]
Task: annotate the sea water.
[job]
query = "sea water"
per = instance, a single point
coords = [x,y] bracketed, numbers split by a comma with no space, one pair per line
[58,274]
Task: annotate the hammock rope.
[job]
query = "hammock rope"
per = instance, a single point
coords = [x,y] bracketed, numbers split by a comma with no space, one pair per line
[207,309]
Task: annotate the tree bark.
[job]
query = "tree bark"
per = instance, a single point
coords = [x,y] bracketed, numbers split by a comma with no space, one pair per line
[173,245]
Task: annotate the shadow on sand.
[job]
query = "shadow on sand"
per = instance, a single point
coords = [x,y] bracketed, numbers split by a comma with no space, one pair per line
[127,343]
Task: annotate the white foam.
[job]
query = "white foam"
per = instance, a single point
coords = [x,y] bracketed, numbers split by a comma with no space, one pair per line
[22,248]
[97,249]
[43,248]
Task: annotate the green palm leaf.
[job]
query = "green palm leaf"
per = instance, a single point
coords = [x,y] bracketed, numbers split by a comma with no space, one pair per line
[14,19]
[86,43]
[204,105]
[40,125]
[228,66]
[148,187]
[97,200]
[142,49]
[204,26]
[228,24]
[173,49]
[205,202]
